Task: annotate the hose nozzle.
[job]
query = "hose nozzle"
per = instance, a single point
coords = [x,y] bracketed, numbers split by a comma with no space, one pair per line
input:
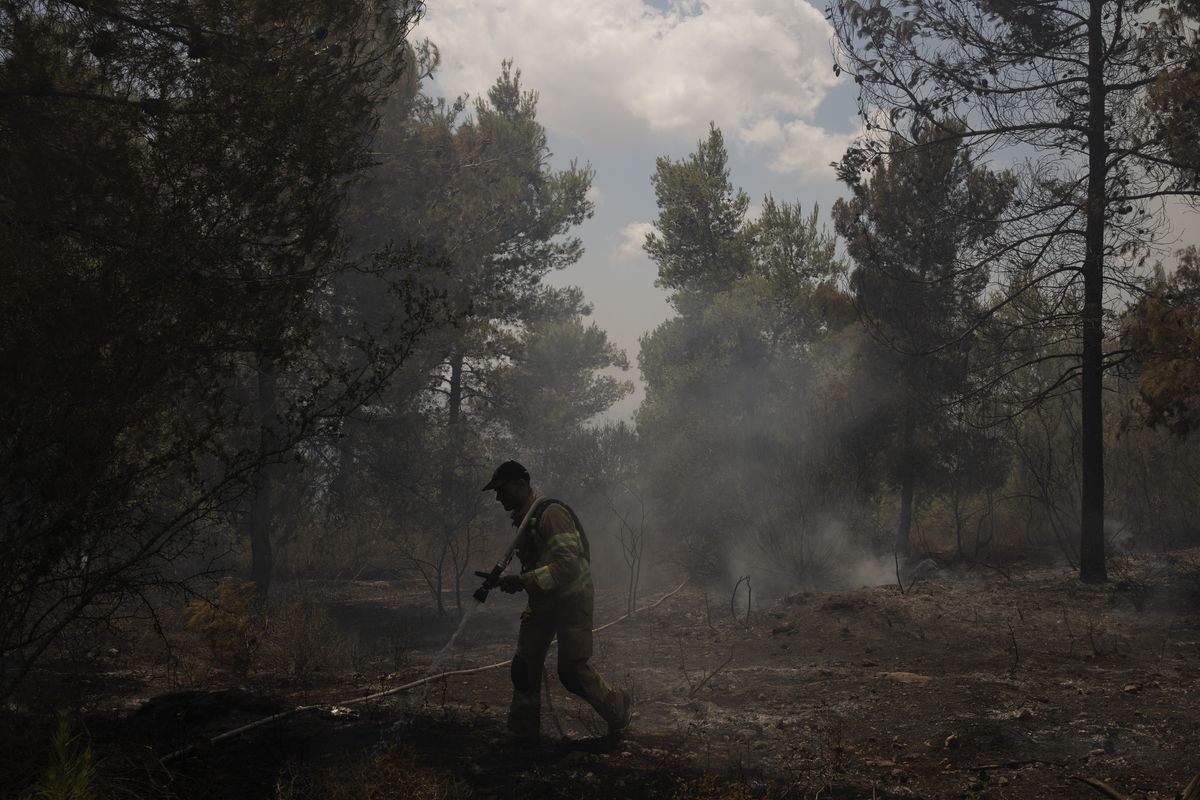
[490,581]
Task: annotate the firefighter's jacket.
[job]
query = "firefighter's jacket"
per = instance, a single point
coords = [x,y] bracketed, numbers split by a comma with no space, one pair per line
[553,551]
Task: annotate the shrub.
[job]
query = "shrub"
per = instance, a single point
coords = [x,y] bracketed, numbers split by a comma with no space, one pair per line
[231,625]
[302,637]
[72,776]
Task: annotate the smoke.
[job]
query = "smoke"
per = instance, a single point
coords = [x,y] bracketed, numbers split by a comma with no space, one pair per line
[832,557]
[785,454]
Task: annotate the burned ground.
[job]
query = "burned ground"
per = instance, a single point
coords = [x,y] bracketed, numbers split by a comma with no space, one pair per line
[969,684]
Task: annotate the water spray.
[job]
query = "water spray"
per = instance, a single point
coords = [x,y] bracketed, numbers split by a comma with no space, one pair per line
[490,581]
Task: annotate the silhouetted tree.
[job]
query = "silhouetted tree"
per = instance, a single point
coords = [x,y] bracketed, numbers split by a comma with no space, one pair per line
[172,178]
[479,198]
[732,388]
[1062,89]
[912,230]
[555,385]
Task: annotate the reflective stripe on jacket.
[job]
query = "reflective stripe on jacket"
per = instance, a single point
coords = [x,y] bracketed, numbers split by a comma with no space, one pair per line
[554,551]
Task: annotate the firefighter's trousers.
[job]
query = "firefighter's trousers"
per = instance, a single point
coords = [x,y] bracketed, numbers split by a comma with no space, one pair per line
[570,618]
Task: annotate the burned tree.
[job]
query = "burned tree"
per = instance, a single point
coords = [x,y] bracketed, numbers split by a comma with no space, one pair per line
[1062,91]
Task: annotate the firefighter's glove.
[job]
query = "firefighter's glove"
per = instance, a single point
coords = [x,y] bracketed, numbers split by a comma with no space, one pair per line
[511,584]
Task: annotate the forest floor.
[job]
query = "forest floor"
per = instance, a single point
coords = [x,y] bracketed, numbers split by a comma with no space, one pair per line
[970,684]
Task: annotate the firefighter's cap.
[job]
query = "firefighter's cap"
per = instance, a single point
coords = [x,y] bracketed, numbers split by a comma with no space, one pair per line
[508,471]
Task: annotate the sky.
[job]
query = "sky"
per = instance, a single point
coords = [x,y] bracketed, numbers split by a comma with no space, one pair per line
[623,82]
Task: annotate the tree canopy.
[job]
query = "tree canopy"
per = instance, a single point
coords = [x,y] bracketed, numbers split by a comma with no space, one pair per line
[1063,91]
[173,177]
[911,230]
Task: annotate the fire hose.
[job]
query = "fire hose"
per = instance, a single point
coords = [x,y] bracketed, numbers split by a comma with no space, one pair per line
[183,751]
[492,579]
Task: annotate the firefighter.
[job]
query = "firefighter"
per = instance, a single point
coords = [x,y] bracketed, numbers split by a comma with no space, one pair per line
[556,575]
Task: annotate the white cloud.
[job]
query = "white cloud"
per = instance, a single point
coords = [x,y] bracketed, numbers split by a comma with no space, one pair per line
[809,150]
[633,236]
[623,68]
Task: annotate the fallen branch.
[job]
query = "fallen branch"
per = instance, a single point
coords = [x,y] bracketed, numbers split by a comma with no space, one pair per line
[733,599]
[1002,572]
[1011,764]
[655,604]
[711,675]
[1101,787]
[1012,635]
[1190,792]
[183,751]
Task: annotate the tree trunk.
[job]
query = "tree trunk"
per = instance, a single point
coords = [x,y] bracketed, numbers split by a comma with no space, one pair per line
[958,524]
[907,479]
[448,488]
[1091,541]
[438,585]
[259,520]
[339,487]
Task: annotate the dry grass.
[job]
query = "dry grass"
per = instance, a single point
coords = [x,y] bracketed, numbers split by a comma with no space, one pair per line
[293,634]
[712,787]
[301,638]
[397,773]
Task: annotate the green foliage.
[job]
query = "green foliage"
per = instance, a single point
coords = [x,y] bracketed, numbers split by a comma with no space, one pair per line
[470,187]
[910,229]
[556,384]
[741,386]
[701,245]
[1163,331]
[73,775]
[1091,103]
[231,625]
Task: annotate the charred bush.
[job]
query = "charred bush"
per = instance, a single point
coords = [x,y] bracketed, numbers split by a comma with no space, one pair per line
[231,624]
[303,637]
[292,634]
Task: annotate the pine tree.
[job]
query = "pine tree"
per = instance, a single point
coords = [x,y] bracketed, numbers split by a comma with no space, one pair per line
[911,229]
[1062,91]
